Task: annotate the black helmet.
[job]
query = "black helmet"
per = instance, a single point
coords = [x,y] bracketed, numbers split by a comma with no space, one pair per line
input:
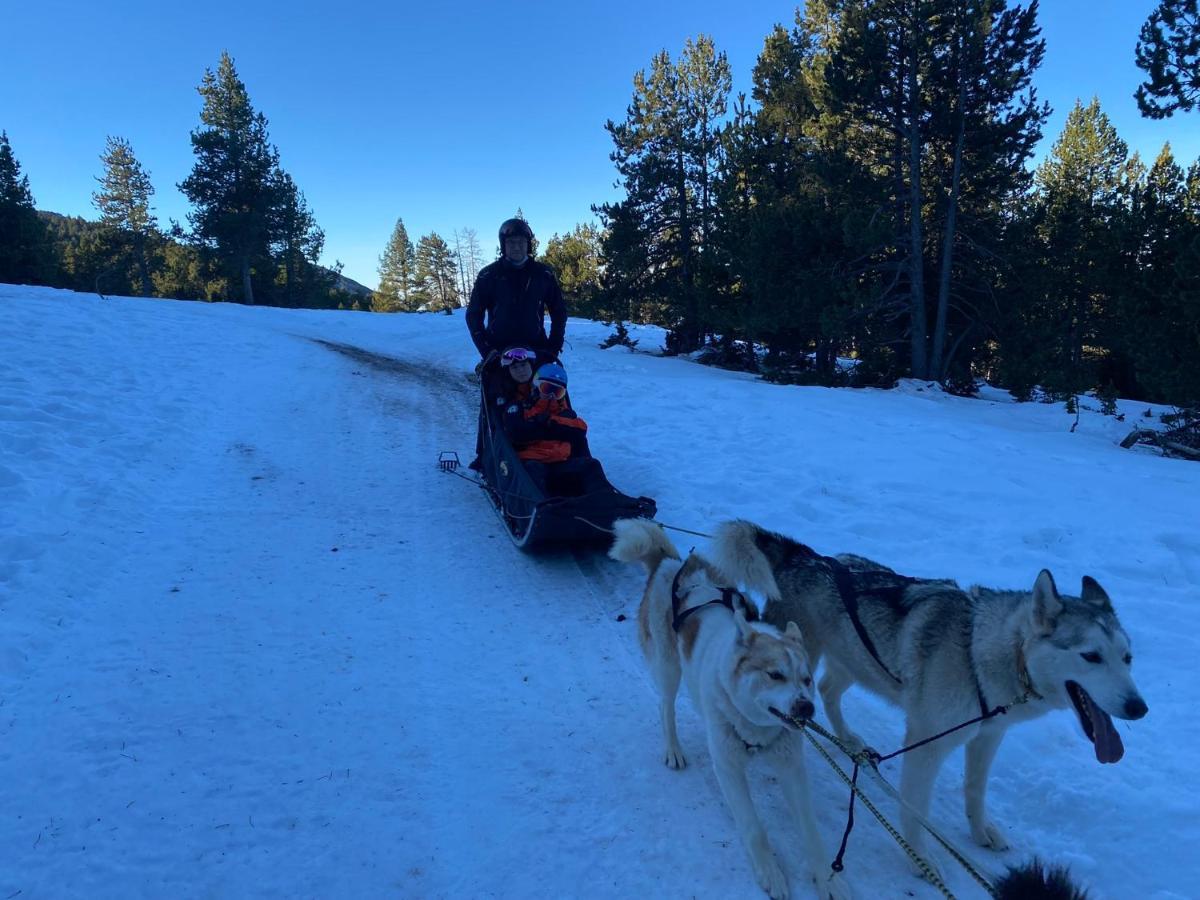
[512,227]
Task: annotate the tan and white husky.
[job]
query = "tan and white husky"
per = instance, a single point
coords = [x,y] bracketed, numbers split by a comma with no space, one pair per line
[737,671]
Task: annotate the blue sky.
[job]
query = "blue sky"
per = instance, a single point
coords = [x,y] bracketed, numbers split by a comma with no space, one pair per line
[448,115]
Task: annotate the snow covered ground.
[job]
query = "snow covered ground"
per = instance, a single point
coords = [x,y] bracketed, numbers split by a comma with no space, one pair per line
[253,643]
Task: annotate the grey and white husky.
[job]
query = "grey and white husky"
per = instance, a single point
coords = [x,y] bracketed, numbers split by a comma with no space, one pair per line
[943,655]
[737,671]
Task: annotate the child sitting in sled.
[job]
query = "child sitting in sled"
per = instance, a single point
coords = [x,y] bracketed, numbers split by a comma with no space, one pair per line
[511,381]
[551,439]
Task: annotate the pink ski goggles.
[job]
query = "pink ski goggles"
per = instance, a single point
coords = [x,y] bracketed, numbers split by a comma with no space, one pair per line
[517,354]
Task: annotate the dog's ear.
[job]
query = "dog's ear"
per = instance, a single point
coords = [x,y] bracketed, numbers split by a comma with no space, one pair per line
[1047,605]
[745,632]
[792,633]
[1094,594]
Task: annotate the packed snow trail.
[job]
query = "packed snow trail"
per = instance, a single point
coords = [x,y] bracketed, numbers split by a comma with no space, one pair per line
[254,643]
[315,666]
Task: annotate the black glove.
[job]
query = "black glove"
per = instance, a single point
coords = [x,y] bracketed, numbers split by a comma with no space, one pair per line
[483,363]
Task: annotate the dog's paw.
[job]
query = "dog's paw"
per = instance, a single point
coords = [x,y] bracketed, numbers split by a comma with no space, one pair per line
[990,835]
[832,888]
[770,877]
[674,758]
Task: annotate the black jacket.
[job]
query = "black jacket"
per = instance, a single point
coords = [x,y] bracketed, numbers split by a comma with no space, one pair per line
[516,300]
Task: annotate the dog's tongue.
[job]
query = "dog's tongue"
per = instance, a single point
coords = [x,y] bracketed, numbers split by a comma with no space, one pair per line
[1109,748]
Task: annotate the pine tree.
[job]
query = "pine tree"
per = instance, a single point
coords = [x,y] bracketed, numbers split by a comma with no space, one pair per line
[863,203]
[933,97]
[799,241]
[666,153]
[434,272]
[124,204]
[988,122]
[23,250]
[1157,317]
[575,258]
[85,254]
[183,272]
[1082,186]
[232,185]
[297,241]
[1191,193]
[1086,163]
[397,273]
[1168,51]
[1162,205]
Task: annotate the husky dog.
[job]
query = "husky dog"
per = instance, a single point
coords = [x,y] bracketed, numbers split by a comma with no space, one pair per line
[737,671]
[944,656]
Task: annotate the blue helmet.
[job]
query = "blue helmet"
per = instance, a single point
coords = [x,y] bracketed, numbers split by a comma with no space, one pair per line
[551,372]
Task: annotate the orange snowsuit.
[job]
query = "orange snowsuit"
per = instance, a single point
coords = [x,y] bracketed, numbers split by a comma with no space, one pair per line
[543,431]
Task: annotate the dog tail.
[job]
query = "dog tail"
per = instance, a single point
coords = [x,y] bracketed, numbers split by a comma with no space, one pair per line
[640,540]
[1036,880]
[748,555]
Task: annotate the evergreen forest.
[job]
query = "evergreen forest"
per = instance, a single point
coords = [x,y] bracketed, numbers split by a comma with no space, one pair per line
[874,199]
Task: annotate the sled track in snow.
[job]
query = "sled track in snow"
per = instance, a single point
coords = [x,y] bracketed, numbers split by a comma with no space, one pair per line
[596,569]
[605,581]
[393,366]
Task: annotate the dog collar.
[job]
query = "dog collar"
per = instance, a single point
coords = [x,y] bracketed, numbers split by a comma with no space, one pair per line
[1029,692]
[755,748]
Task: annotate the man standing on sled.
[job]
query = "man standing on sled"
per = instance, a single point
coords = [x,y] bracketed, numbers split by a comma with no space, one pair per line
[514,294]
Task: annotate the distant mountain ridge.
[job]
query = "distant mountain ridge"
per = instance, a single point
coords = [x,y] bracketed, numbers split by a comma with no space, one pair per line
[351,286]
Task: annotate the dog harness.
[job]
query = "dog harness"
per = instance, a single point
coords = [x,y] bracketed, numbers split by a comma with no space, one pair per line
[730,599]
[892,592]
[843,579]
[848,592]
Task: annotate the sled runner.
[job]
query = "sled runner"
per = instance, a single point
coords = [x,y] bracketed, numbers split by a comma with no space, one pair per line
[535,517]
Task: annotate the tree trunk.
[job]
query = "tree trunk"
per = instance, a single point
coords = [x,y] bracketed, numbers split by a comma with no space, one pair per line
[247,287]
[463,288]
[826,358]
[898,149]
[916,255]
[289,277]
[943,300]
[704,180]
[689,336]
[139,249]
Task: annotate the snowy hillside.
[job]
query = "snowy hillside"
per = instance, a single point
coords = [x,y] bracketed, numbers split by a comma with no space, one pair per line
[253,643]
